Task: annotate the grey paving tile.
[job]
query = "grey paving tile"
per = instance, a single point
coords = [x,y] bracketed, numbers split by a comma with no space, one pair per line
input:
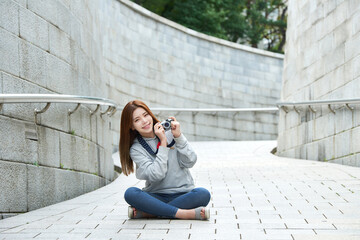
[134,225]
[253,234]
[343,226]
[202,235]
[60,235]
[12,230]
[184,226]
[16,236]
[143,231]
[248,220]
[177,233]
[324,237]
[151,236]
[315,226]
[262,226]
[278,237]
[350,232]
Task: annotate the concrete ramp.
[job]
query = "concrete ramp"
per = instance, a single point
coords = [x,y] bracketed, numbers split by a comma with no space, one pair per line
[255,195]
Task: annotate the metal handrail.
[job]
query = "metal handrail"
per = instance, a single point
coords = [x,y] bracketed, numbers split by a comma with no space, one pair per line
[59,98]
[310,104]
[54,98]
[271,109]
[212,110]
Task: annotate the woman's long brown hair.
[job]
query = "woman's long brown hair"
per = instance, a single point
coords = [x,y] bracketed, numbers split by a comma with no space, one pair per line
[127,135]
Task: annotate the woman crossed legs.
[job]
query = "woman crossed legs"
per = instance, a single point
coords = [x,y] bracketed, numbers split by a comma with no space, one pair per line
[175,205]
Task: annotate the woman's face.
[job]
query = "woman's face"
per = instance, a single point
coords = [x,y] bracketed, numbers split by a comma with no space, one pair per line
[143,122]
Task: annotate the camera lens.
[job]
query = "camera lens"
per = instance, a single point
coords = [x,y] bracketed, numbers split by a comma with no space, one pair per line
[166,124]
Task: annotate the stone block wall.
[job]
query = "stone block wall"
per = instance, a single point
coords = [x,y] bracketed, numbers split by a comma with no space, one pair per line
[113,49]
[322,61]
[46,47]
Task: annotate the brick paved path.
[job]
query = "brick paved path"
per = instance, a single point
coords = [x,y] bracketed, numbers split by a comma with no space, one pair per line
[255,195]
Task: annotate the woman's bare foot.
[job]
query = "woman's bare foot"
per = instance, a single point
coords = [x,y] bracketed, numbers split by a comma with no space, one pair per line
[202,213]
[189,214]
[143,214]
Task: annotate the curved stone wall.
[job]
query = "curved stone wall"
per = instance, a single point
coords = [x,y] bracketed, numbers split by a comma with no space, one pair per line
[322,61]
[167,65]
[116,50]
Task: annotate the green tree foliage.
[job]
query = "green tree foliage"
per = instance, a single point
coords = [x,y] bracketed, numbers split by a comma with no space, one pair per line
[244,21]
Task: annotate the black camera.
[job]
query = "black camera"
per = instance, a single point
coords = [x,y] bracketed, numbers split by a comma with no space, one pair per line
[167,124]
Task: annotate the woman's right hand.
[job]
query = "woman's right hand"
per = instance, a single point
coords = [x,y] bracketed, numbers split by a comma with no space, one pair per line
[160,133]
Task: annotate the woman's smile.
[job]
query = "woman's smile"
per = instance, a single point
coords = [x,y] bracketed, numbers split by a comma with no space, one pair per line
[146,126]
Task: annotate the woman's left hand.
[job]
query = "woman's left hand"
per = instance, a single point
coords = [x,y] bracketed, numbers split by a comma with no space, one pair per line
[175,127]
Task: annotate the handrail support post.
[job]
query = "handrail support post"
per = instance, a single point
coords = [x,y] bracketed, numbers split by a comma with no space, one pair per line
[113,111]
[75,109]
[347,105]
[106,111]
[296,110]
[285,109]
[331,109]
[96,109]
[312,109]
[36,111]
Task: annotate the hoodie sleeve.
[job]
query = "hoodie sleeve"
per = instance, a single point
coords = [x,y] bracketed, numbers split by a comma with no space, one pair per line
[186,155]
[148,169]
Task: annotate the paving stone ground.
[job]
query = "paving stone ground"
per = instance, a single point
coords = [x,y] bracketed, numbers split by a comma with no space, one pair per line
[255,195]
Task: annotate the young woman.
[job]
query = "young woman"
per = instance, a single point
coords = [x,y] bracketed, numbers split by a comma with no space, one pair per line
[169,189]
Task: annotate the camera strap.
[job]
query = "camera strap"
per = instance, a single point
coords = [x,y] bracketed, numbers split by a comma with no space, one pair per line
[145,145]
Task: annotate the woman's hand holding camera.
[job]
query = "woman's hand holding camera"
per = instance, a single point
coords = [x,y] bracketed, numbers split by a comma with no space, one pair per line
[175,127]
[160,133]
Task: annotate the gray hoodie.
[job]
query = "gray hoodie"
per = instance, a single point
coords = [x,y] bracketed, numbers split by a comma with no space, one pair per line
[167,172]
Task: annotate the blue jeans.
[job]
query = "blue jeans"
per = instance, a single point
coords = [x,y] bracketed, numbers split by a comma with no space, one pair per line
[166,205]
